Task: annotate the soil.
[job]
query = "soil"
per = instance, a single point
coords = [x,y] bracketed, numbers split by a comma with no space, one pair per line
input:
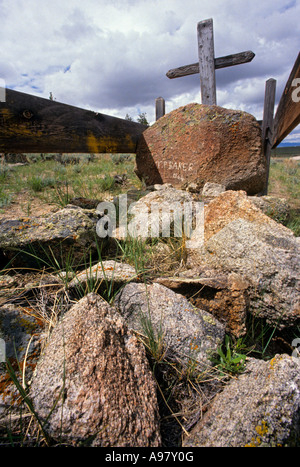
[24,205]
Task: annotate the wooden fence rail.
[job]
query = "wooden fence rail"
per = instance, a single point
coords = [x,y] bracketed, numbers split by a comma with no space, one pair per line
[37,125]
[275,129]
[288,111]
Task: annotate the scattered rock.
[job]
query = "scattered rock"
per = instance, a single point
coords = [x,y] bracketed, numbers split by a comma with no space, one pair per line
[259,408]
[186,331]
[225,296]
[239,238]
[95,381]
[105,272]
[229,206]
[30,241]
[159,213]
[165,194]
[22,334]
[199,143]
[93,384]
[212,189]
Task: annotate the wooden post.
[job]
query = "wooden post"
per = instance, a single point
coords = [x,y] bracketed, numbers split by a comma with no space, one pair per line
[267,125]
[206,55]
[159,108]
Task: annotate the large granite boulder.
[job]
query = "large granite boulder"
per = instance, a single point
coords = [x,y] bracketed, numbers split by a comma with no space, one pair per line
[224,296]
[199,143]
[239,238]
[93,384]
[105,271]
[183,331]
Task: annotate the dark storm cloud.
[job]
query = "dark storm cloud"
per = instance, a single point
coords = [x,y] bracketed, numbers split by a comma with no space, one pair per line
[113,55]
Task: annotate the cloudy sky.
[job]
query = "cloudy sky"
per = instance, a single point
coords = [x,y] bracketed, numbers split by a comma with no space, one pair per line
[112,55]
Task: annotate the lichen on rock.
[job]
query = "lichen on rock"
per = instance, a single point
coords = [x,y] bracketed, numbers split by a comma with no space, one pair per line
[260,408]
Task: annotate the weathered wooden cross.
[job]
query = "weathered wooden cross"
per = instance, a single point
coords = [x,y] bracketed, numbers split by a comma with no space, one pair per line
[208,63]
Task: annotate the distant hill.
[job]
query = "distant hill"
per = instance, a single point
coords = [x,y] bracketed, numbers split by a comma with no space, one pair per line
[284,144]
[286,150]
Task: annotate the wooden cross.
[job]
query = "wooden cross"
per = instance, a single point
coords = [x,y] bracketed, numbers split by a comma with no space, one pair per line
[208,63]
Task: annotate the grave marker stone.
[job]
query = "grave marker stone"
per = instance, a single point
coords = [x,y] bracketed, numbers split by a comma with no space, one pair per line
[196,143]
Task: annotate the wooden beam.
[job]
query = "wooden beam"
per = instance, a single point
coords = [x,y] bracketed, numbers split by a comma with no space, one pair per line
[288,112]
[37,125]
[206,54]
[221,62]
[267,125]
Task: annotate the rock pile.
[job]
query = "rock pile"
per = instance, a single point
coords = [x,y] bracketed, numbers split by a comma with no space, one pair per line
[92,383]
[178,323]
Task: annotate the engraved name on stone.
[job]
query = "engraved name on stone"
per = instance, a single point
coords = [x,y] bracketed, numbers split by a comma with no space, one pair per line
[175,167]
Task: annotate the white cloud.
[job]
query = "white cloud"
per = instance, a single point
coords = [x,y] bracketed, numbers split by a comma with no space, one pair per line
[112,55]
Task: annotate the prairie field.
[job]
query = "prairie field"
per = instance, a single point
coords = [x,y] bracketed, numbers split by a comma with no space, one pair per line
[45,184]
